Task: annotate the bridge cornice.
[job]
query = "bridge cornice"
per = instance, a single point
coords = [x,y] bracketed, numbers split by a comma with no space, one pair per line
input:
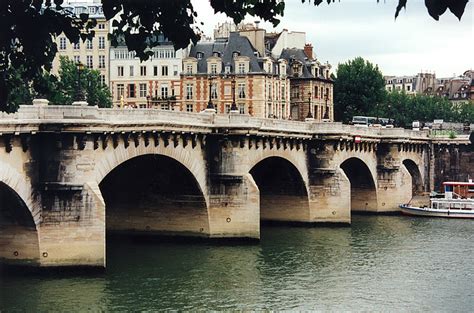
[75,119]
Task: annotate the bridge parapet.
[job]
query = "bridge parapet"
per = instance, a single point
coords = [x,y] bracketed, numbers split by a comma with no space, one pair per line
[234,123]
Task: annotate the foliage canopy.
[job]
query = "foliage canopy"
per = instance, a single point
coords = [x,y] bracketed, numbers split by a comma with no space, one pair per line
[28,27]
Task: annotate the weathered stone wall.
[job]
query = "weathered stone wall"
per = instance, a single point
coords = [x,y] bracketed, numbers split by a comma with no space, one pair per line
[452,163]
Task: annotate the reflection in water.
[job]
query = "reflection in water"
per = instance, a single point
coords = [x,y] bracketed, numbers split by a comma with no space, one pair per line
[396,263]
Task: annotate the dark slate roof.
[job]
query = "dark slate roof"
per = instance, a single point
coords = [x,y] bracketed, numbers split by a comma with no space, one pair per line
[299,55]
[226,48]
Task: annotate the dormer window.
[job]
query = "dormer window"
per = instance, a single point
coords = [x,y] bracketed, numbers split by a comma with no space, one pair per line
[213,68]
[241,68]
[216,54]
[199,55]
[189,69]
[235,54]
[227,69]
[296,69]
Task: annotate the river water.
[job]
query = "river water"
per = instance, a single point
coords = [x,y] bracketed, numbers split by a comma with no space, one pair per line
[390,263]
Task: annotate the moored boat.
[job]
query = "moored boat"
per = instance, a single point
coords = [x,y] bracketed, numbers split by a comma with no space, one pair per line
[458,202]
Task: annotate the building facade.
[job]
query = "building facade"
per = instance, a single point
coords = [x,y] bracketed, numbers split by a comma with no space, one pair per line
[94,53]
[231,71]
[311,94]
[154,83]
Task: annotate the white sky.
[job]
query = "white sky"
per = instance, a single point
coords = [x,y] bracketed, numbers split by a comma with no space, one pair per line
[344,30]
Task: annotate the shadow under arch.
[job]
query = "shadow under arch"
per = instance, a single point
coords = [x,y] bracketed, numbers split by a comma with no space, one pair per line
[363,189]
[416,178]
[19,243]
[154,194]
[283,193]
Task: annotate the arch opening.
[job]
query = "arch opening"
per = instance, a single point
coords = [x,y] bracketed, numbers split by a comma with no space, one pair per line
[156,195]
[416,179]
[283,195]
[18,236]
[363,191]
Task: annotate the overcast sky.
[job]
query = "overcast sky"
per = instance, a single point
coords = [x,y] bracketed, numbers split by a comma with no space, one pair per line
[344,30]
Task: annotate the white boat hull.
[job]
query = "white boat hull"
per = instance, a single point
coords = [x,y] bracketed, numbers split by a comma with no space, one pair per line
[430,212]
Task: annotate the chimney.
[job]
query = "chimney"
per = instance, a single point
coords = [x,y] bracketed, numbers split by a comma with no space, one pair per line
[308,50]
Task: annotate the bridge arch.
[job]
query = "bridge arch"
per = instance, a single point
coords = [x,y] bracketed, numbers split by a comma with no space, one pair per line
[363,184]
[298,160]
[17,183]
[18,230]
[190,158]
[283,190]
[416,177]
[157,194]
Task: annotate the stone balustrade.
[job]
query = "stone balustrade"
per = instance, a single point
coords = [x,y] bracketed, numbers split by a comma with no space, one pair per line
[40,114]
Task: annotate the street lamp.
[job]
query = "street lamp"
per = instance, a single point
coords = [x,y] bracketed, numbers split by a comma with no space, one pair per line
[79,93]
[309,117]
[326,112]
[210,105]
[233,108]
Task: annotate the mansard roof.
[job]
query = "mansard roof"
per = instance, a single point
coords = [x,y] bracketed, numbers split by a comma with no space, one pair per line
[294,54]
[226,47]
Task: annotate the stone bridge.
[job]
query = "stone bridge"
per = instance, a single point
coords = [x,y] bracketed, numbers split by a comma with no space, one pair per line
[68,174]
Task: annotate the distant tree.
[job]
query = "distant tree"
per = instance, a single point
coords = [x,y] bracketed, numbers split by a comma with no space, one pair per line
[405,109]
[65,86]
[28,27]
[358,89]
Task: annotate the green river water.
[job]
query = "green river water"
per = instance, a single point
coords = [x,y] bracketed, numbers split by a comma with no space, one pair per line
[380,263]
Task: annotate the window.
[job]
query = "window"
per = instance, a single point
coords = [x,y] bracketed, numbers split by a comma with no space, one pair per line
[175,70]
[213,68]
[241,68]
[164,70]
[189,91]
[165,106]
[242,108]
[101,61]
[143,70]
[241,90]
[102,80]
[131,90]
[89,61]
[101,42]
[227,108]
[62,43]
[189,68]
[214,91]
[155,70]
[235,54]
[131,70]
[77,59]
[227,69]
[283,93]
[77,45]
[89,44]
[327,94]
[120,91]
[101,25]
[189,107]
[164,91]
[295,92]
[316,92]
[216,54]
[120,71]
[199,55]
[92,10]
[142,90]
[408,88]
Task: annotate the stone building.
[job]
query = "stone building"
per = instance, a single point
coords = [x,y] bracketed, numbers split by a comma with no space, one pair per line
[231,69]
[311,94]
[154,83]
[93,53]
